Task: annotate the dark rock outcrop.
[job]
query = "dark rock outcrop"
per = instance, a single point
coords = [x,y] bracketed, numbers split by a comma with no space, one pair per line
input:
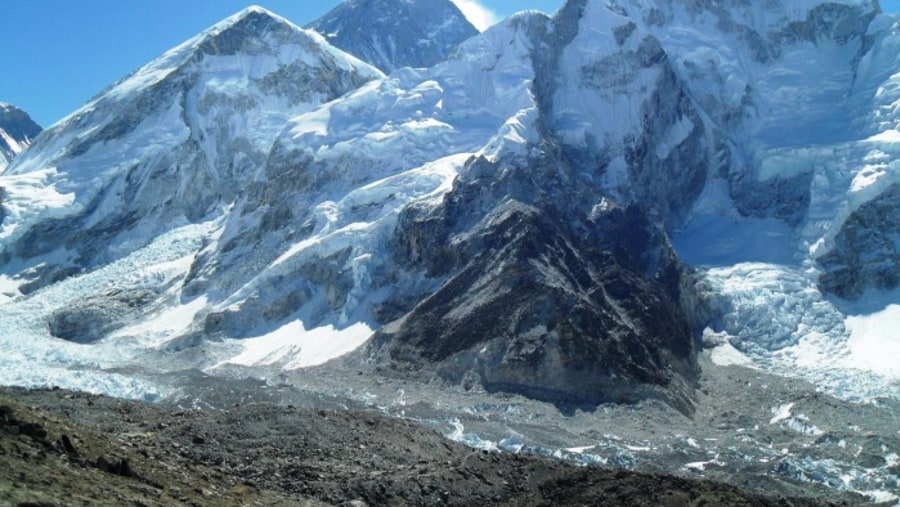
[540,299]
[866,252]
[390,34]
[93,318]
[17,132]
[553,285]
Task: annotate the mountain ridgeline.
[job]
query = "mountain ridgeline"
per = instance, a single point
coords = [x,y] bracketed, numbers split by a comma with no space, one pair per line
[532,209]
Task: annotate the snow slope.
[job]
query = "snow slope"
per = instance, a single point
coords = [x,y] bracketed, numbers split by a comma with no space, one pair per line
[820,128]
[436,118]
[177,138]
[394,143]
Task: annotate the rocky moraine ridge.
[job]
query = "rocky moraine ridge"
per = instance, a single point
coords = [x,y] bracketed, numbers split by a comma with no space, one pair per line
[63,448]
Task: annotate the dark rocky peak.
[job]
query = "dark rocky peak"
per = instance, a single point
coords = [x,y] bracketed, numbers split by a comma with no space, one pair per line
[17,131]
[17,124]
[390,34]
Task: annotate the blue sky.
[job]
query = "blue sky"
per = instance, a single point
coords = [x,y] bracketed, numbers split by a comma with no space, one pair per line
[56,54]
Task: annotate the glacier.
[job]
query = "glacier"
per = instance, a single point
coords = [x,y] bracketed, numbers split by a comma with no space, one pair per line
[404,114]
[159,153]
[836,131]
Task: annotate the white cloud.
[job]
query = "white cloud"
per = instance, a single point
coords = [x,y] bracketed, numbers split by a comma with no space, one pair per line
[477,14]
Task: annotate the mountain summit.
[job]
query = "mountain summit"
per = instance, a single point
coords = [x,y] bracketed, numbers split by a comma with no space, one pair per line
[17,132]
[174,141]
[396,33]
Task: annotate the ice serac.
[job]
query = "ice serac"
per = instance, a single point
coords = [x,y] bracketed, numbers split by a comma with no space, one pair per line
[17,132]
[799,202]
[862,249]
[714,123]
[174,142]
[102,220]
[794,99]
[391,34]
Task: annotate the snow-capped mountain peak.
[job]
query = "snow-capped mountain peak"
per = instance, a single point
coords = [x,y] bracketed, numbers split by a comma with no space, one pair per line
[562,207]
[17,132]
[176,138]
[391,34]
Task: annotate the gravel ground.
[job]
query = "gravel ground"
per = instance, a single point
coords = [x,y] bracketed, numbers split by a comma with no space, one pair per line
[761,432]
[64,448]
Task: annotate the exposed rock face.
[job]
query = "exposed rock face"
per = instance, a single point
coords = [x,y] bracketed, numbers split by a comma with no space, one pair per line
[558,280]
[658,154]
[542,287]
[17,132]
[866,252]
[556,302]
[318,220]
[93,318]
[390,34]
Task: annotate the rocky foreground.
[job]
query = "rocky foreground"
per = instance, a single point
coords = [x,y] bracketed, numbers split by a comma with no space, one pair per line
[65,448]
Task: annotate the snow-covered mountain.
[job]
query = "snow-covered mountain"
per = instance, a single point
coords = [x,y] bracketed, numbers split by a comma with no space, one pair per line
[175,141]
[17,132]
[168,148]
[562,207]
[391,34]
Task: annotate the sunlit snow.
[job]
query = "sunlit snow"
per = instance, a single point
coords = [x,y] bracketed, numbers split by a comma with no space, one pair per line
[875,341]
[727,355]
[292,346]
